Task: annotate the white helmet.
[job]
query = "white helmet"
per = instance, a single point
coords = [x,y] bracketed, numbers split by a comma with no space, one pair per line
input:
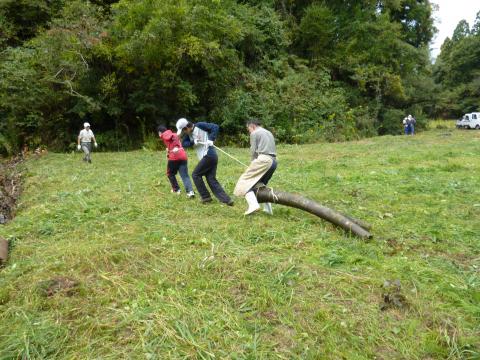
[85,125]
[181,124]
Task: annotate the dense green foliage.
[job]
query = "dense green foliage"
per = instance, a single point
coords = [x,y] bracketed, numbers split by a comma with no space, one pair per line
[457,72]
[310,70]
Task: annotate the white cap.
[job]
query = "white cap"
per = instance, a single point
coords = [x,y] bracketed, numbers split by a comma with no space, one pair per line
[85,125]
[181,124]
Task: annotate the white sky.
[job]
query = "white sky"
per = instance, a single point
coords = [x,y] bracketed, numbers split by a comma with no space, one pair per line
[449,14]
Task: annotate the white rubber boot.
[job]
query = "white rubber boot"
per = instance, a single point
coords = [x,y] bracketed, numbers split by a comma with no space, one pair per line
[267,207]
[252,203]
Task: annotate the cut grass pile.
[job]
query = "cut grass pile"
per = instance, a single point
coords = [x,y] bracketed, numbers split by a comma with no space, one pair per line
[155,276]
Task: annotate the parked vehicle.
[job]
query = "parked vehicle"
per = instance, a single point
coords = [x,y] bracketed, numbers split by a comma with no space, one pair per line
[462,123]
[469,121]
[474,122]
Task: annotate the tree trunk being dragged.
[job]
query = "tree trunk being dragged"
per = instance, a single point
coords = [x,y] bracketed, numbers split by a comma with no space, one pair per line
[265,194]
[359,222]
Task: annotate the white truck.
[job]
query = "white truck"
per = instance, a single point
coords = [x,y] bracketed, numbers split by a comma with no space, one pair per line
[469,121]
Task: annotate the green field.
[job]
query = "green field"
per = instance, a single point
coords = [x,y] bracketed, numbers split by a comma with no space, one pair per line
[160,276]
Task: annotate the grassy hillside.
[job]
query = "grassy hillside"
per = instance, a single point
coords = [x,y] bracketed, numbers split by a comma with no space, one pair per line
[160,276]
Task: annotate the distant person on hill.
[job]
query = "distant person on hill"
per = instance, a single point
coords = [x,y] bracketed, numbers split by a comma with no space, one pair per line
[261,169]
[177,161]
[406,127]
[409,125]
[201,136]
[412,122]
[84,142]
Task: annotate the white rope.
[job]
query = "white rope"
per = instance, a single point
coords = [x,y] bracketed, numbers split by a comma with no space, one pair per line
[230,156]
[275,197]
[272,194]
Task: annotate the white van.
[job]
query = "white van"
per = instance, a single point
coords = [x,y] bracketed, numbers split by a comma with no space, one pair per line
[474,122]
[469,121]
[463,122]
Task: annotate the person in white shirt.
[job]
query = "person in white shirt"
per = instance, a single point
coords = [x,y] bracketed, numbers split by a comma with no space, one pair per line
[84,142]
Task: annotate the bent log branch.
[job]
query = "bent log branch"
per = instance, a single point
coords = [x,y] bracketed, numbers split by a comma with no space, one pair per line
[265,194]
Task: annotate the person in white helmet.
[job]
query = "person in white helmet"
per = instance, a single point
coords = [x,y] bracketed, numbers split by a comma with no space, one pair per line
[201,136]
[84,142]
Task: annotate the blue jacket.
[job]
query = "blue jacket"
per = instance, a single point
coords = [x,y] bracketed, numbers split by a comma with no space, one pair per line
[202,132]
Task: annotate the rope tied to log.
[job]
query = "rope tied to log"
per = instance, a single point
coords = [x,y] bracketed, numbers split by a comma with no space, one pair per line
[274,196]
[272,193]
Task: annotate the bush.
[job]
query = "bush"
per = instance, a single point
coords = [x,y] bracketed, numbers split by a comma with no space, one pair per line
[113,140]
[153,142]
[6,146]
[391,121]
[298,104]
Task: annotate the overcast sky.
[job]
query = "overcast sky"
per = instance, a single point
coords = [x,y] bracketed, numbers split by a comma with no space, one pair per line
[450,12]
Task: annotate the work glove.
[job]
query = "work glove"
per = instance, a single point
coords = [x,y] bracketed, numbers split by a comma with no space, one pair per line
[79,147]
[96,145]
[175,150]
[209,143]
[196,141]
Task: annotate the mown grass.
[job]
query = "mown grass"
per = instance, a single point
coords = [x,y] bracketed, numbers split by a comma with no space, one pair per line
[164,277]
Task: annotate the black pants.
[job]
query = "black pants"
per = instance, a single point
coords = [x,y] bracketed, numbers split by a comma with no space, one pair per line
[208,167]
[268,175]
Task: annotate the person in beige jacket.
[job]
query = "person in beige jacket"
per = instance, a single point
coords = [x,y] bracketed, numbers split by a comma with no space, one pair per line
[261,169]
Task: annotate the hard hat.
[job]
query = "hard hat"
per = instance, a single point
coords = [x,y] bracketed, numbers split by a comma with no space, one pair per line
[181,124]
[85,125]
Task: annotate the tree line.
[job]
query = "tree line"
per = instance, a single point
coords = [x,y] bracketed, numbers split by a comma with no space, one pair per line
[310,70]
[457,72]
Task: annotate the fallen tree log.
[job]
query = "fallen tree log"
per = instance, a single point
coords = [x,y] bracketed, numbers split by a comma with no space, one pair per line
[359,222]
[265,194]
[3,251]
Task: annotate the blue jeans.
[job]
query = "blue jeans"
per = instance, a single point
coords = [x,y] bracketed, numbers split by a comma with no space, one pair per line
[180,166]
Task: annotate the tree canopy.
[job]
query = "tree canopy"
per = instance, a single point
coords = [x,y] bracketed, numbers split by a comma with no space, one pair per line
[310,70]
[457,72]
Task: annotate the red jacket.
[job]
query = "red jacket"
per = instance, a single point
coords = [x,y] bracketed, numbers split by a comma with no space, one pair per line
[171,141]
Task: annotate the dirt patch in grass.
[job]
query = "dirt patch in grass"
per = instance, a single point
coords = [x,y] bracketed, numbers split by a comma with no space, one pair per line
[392,296]
[10,187]
[394,247]
[56,285]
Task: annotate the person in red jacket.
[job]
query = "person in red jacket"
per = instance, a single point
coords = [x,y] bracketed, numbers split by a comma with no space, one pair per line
[177,161]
